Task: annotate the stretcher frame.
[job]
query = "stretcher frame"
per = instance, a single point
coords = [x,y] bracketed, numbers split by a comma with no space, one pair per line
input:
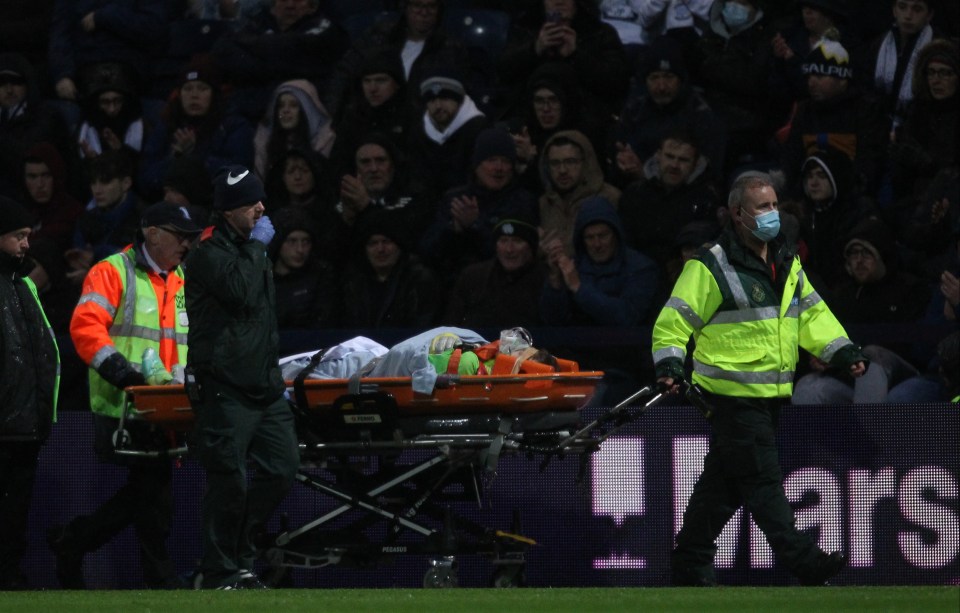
[355,438]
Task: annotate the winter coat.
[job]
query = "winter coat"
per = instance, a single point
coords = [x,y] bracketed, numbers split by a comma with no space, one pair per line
[29,361]
[231,300]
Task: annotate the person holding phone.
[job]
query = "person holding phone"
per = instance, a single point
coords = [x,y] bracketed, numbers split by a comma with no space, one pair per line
[568,32]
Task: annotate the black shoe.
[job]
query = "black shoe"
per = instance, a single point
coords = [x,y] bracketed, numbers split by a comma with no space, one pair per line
[250,581]
[825,569]
[69,559]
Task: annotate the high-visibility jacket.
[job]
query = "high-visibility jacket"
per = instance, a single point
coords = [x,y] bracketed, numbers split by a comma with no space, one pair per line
[747,320]
[125,307]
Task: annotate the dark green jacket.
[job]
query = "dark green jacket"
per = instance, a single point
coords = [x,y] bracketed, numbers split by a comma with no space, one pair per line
[231,303]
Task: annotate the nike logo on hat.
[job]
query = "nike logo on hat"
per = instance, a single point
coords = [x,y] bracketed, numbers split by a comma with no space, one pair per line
[232,180]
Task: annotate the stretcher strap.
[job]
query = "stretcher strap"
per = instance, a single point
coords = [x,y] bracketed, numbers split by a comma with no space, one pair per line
[493,452]
[299,393]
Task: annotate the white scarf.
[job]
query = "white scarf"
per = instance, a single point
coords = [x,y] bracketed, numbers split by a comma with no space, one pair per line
[887,66]
[467,111]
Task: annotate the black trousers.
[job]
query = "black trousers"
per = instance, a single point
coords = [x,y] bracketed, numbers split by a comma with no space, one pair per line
[18,469]
[232,431]
[742,469]
[145,501]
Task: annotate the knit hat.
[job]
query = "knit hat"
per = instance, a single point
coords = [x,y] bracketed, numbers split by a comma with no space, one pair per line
[828,59]
[107,77]
[169,217]
[520,227]
[875,237]
[202,68]
[664,55]
[443,84]
[236,186]
[379,221]
[13,216]
[382,63]
[492,142]
[188,175]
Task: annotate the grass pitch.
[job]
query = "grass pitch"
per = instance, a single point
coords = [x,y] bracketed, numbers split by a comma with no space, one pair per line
[928,599]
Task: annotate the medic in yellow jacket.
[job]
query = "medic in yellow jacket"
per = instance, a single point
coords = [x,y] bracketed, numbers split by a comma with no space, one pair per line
[747,318]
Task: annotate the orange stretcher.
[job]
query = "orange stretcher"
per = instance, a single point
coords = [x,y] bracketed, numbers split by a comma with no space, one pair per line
[455,436]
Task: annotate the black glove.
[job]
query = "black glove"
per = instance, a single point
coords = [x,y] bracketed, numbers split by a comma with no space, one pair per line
[117,371]
[847,356]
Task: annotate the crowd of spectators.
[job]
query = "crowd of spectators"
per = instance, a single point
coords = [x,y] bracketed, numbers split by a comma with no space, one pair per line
[556,173]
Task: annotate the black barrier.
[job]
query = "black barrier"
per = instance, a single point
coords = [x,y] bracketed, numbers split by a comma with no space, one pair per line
[882,483]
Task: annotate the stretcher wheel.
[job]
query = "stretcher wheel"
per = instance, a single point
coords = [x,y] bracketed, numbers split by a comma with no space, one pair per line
[442,573]
[509,575]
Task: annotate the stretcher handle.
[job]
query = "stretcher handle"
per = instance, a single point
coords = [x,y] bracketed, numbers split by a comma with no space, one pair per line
[655,391]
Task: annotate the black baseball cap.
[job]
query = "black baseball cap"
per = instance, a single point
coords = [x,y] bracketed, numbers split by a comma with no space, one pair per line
[169,217]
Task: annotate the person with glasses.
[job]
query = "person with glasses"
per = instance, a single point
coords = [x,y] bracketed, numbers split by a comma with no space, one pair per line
[553,102]
[571,173]
[132,303]
[875,290]
[926,144]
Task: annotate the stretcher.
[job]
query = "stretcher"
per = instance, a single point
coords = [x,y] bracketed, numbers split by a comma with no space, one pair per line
[393,461]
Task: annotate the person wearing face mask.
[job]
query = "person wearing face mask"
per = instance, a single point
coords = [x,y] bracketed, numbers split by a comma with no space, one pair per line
[748,306]
[731,63]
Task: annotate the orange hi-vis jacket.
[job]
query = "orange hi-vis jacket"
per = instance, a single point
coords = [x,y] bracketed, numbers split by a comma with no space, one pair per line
[125,307]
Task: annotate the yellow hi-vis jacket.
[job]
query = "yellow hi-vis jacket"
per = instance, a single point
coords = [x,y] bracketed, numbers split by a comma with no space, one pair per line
[125,307]
[747,320]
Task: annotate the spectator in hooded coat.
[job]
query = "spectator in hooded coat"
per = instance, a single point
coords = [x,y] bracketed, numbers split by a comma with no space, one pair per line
[294,119]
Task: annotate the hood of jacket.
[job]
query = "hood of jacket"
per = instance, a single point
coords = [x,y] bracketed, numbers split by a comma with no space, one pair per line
[591,177]
[595,210]
[720,27]
[840,173]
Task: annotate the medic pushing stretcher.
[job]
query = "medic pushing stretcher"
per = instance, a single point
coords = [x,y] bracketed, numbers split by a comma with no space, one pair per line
[393,436]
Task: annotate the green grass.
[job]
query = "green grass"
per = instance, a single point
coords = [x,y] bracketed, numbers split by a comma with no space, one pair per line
[530,600]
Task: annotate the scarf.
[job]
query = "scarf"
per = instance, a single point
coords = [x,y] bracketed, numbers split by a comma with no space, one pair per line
[887,67]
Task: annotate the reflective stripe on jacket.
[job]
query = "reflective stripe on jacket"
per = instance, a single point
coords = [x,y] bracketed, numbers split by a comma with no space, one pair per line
[126,308]
[53,337]
[746,337]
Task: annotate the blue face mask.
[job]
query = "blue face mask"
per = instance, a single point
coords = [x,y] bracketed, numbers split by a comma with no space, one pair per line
[735,15]
[768,226]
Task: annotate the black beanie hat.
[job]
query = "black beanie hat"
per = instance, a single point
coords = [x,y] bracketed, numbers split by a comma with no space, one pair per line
[520,227]
[13,216]
[383,222]
[382,63]
[236,186]
[664,55]
[492,142]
